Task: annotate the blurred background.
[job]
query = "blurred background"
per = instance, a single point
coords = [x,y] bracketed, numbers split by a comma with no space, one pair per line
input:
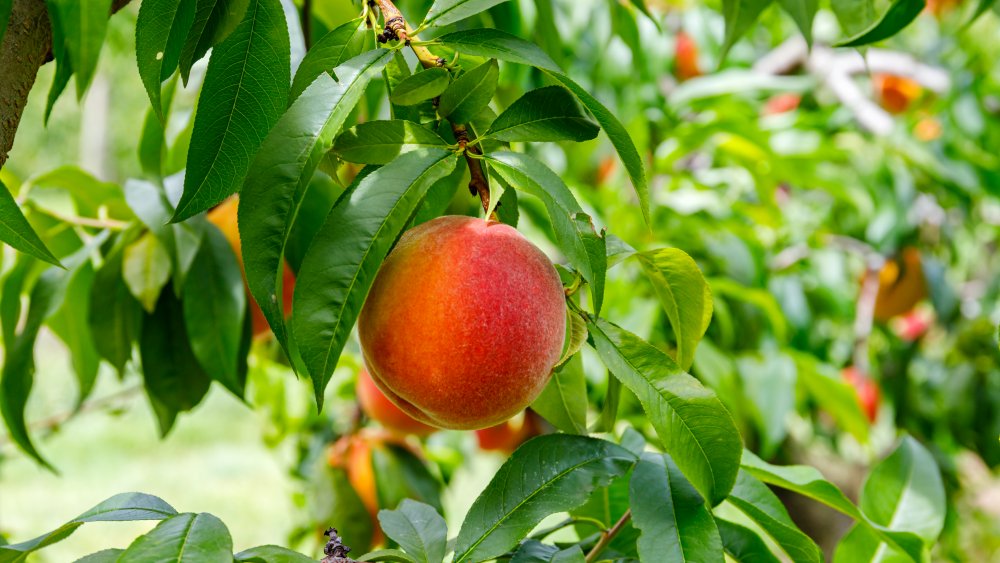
[844,205]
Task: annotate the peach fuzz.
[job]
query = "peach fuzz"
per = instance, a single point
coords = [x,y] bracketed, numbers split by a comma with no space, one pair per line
[463,324]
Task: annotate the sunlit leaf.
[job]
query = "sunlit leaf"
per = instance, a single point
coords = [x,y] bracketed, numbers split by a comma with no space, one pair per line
[184,538]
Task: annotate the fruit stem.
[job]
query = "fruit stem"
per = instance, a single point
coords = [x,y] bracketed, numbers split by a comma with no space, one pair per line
[607,536]
[397,27]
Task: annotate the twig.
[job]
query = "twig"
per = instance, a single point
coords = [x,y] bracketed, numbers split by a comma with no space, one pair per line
[606,537]
[57,420]
[110,224]
[396,27]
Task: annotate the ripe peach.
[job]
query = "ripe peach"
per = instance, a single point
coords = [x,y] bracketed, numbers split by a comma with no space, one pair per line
[507,436]
[381,409]
[867,390]
[896,93]
[353,454]
[464,323]
[223,216]
[686,57]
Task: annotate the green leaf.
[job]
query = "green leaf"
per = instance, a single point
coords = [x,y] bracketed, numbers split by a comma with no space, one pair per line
[760,298]
[234,113]
[153,147]
[124,507]
[5,8]
[833,395]
[391,555]
[674,522]
[496,44]
[684,295]
[215,309]
[182,240]
[743,544]
[563,401]
[160,32]
[344,257]
[903,493]
[332,50]
[17,232]
[898,16]
[83,24]
[803,12]
[271,554]
[64,69]
[802,479]
[184,538]
[694,426]
[740,15]
[470,93]
[854,15]
[546,475]
[769,384]
[444,12]
[619,137]
[214,21]
[573,229]
[146,269]
[983,7]
[401,475]
[103,556]
[754,499]
[544,114]
[280,173]
[18,375]
[533,551]
[379,142]
[115,316]
[421,86]
[418,529]
[331,498]
[71,326]
[174,379]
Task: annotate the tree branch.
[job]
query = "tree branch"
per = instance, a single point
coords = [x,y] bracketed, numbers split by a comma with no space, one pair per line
[606,537]
[396,27]
[26,46]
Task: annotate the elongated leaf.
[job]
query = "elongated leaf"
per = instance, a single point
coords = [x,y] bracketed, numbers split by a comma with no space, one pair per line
[619,137]
[271,554]
[146,269]
[694,426]
[160,32]
[234,112]
[740,15]
[854,15]
[214,311]
[5,9]
[389,555]
[17,232]
[379,142]
[755,500]
[182,240]
[684,295]
[281,171]
[573,229]
[18,375]
[671,515]
[497,44]
[533,551]
[421,86]
[444,12]
[153,147]
[898,16]
[803,479]
[124,507]
[544,114]
[184,538]
[174,379]
[84,24]
[983,7]
[769,384]
[344,257]
[563,401]
[115,316]
[803,12]
[418,529]
[103,556]
[333,49]
[213,21]
[470,93]
[64,69]
[548,474]
[71,326]
[743,544]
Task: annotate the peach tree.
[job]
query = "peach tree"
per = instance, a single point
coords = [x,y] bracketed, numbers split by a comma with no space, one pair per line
[338,138]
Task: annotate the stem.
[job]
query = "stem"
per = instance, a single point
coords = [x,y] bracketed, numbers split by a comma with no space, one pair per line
[396,25]
[109,224]
[606,537]
[55,421]
[566,523]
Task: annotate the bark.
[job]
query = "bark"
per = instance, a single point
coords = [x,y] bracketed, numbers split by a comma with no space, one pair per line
[26,46]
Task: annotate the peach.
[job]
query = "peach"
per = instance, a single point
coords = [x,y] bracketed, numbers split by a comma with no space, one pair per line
[380,409]
[897,93]
[867,390]
[223,216]
[686,57]
[509,435]
[901,285]
[463,323]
